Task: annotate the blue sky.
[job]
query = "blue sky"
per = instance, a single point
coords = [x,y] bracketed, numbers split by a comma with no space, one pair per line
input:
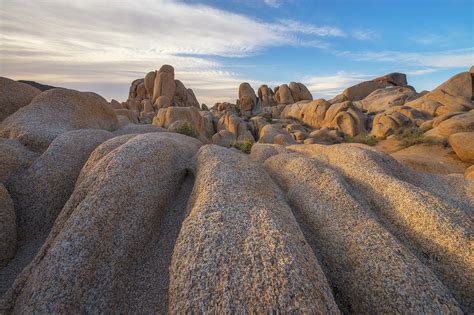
[214,45]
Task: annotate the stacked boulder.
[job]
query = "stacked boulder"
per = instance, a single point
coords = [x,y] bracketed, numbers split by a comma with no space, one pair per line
[344,116]
[158,89]
[388,122]
[363,89]
[232,130]
[454,95]
[247,99]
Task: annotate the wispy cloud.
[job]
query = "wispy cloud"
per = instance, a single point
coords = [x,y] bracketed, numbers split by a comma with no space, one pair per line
[329,86]
[365,34]
[273,3]
[441,59]
[310,29]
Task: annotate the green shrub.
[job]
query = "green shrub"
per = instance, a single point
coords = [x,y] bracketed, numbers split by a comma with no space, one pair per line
[411,136]
[187,129]
[244,146]
[365,138]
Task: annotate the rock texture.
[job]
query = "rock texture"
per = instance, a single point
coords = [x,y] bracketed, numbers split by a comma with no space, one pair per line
[247,99]
[40,192]
[264,262]
[57,111]
[344,117]
[14,95]
[167,116]
[8,236]
[463,145]
[354,245]
[428,213]
[106,224]
[363,89]
[232,130]
[392,120]
[451,125]
[385,98]
[14,157]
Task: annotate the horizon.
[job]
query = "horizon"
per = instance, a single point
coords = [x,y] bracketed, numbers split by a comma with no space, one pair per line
[216,45]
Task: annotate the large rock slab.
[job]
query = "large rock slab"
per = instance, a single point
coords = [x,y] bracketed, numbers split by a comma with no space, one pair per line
[429,214]
[385,98]
[463,144]
[113,214]
[370,269]
[14,95]
[40,192]
[240,249]
[363,89]
[451,125]
[57,111]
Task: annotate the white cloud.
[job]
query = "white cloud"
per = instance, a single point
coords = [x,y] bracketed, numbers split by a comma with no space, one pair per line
[330,85]
[309,29]
[273,3]
[93,43]
[443,59]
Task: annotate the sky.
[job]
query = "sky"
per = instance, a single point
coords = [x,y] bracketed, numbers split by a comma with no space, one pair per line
[101,46]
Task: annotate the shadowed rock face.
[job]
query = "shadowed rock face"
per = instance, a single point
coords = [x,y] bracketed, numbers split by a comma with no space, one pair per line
[14,95]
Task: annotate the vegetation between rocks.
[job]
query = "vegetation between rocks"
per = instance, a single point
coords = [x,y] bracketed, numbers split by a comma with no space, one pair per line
[187,129]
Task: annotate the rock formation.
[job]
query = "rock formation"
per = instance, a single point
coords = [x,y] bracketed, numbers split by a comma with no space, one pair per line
[155,206]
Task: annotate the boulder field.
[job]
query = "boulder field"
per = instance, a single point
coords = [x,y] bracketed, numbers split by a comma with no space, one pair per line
[275,204]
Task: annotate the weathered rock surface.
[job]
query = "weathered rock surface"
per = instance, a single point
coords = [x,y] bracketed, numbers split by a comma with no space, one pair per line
[14,157]
[103,231]
[8,236]
[344,117]
[232,130]
[355,247]
[273,134]
[167,116]
[363,89]
[431,158]
[57,111]
[40,192]
[264,262]
[247,99]
[266,96]
[14,95]
[283,95]
[395,118]
[463,144]
[300,92]
[385,98]
[427,213]
[454,124]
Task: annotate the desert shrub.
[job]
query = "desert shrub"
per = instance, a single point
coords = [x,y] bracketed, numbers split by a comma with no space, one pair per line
[187,129]
[365,138]
[244,146]
[411,136]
